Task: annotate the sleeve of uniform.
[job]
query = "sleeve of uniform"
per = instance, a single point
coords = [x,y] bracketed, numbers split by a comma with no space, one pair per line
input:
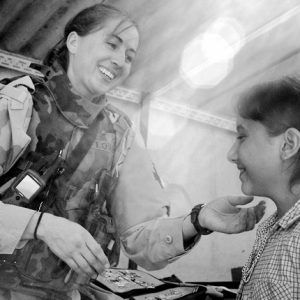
[149,237]
[13,221]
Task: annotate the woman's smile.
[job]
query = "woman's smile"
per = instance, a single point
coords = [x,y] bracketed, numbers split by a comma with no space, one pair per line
[108,74]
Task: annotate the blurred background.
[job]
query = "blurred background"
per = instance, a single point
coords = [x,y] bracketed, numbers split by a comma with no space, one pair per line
[195,58]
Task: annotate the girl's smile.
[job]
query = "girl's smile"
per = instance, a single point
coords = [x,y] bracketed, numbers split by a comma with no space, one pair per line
[256,155]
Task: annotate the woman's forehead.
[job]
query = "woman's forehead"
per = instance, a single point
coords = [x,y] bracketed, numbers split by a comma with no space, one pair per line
[125,29]
[119,25]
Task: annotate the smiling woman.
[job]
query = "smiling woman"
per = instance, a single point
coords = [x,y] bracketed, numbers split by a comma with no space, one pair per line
[108,63]
[71,117]
[97,58]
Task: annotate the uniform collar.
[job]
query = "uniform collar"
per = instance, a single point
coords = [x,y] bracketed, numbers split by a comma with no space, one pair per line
[79,110]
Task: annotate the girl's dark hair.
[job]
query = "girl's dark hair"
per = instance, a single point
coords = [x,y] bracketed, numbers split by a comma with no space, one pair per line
[85,22]
[276,105]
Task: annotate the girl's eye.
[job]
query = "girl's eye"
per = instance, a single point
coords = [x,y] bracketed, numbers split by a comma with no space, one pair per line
[240,137]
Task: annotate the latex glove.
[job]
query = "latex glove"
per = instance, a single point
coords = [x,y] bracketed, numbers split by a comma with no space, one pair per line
[224,215]
[73,244]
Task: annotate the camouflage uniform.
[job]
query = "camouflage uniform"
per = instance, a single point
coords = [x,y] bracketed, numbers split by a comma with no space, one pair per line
[130,201]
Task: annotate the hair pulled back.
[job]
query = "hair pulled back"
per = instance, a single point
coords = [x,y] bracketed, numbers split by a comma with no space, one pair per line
[87,21]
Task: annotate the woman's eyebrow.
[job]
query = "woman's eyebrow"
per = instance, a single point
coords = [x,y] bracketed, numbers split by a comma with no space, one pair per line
[117,37]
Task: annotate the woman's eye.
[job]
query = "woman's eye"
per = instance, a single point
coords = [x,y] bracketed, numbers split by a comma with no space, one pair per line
[129,58]
[112,45]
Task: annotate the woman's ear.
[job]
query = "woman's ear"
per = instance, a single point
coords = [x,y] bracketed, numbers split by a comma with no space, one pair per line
[72,42]
[291,143]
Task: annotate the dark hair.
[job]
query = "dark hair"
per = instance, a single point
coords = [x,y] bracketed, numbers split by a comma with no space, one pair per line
[276,105]
[85,22]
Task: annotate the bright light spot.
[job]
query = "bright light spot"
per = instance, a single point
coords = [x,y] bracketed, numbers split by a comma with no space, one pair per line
[209,74]
[208,59]
[231,31]
[215,47]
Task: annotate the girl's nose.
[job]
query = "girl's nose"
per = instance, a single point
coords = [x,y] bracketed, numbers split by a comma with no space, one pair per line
[232,153]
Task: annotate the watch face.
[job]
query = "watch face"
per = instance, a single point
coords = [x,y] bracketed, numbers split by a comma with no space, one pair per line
[28,186]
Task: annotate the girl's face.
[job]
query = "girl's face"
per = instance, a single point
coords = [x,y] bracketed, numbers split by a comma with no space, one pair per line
[257,156]
[102,60]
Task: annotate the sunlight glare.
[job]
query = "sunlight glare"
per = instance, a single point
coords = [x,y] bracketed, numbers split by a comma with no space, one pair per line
[208,59]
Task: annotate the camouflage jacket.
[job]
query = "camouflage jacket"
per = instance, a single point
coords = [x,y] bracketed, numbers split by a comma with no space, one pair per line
[134,198]
[60,120]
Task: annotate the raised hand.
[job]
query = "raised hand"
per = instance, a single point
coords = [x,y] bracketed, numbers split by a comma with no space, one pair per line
[224,215]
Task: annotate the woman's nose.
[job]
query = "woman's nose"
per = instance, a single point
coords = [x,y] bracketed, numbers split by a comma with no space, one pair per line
[118,58]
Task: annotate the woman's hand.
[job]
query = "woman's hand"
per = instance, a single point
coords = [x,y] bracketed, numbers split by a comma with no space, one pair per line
[73,244]
[224,215]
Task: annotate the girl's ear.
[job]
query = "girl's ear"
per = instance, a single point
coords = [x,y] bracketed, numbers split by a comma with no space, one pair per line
[291,143]
[72,42]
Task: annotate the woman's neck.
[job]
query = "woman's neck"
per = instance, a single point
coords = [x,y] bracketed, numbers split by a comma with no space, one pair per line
[79,89]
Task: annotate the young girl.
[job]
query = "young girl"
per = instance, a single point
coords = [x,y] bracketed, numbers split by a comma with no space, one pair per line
[266,152]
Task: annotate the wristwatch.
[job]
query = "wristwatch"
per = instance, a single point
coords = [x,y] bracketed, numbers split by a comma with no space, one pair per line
[194,220]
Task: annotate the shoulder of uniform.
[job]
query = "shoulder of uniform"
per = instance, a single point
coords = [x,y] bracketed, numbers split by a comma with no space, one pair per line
[17,88]
[117,116]
[25,80]
[7,80]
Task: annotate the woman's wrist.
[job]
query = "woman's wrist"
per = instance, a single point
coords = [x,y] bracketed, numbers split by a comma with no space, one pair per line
[192,224]
[188,230]
[36,226]
[29,230]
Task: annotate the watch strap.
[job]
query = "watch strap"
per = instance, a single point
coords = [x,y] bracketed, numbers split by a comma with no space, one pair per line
[194,220]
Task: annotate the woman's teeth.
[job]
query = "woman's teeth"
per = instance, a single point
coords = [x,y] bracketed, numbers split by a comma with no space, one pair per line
[107,73]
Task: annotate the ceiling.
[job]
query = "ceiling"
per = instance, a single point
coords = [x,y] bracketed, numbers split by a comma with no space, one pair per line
[267,31]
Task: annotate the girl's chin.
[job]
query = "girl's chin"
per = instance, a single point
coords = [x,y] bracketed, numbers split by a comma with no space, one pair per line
[246,190]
